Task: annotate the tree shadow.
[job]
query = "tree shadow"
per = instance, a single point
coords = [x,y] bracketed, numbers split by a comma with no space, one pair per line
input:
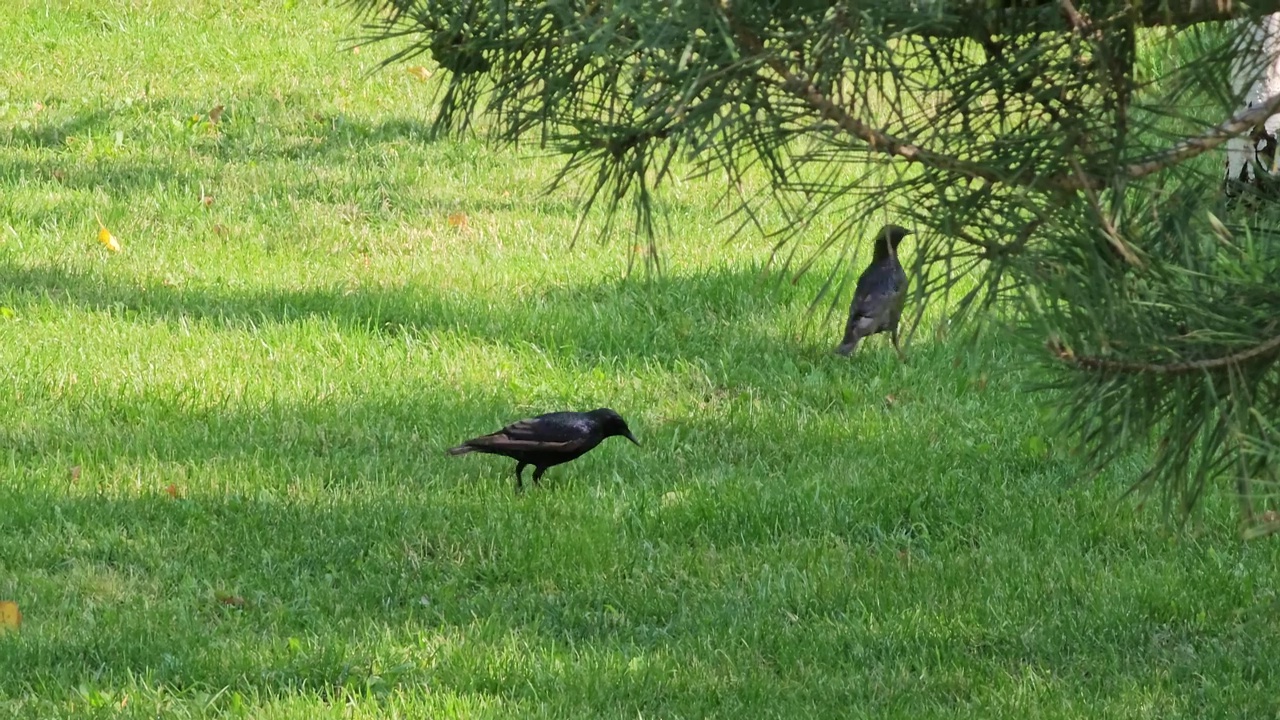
[664,319]
[390,585]
[337,141]
[324,142]
[341,551]
[53,135]
[365,597]
[385,579]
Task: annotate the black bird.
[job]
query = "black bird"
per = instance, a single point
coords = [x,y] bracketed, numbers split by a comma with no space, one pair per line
[550,439]
[880,295]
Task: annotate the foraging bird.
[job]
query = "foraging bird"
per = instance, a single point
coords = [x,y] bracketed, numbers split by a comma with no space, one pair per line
[550,439]
[880,294]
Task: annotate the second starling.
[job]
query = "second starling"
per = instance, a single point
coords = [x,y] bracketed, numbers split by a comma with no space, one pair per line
[880,295]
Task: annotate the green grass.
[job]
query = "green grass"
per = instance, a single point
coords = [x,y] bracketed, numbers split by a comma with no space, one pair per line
[293,358]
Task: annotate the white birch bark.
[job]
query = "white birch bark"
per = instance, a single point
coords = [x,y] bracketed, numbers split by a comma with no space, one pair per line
[1257,74]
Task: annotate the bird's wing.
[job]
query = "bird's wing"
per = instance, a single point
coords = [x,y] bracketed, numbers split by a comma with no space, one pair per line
[501,441]
[552,432]
[876,290]
[552,427]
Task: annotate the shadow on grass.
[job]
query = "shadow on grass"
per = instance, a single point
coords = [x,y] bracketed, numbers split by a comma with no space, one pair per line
[54,135]
[258,133]
[353,596]
[319,561]
[666,319]
[333,136]
[535,600]
[353,573]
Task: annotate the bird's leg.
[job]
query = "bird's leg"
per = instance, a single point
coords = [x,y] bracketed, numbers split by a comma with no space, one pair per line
[537,475]
[520,469]
[894,336]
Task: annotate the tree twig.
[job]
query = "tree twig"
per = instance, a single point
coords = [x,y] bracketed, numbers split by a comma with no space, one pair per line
[1078,21]
[1108,227]
[876,139]
[1184,150]
[1096,363]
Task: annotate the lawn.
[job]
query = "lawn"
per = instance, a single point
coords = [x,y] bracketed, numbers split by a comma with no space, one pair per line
[225,494]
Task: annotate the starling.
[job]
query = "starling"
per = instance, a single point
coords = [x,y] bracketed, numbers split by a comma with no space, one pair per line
[550,439]
[880,295]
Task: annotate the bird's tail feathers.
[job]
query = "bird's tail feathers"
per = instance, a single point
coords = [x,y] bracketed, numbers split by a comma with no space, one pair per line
[461,450]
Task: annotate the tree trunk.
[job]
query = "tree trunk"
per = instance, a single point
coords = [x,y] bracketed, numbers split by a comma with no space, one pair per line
[1251,158]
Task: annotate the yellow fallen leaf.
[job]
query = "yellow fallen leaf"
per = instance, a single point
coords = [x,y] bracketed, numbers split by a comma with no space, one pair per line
[459,220]
[10,616]
[106,238]
[419,72]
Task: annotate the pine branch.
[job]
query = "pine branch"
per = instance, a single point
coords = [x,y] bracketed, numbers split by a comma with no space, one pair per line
[1074,16]
[1024,15]
[1114,366]
[1108,227]
[805,90]
[1191,147]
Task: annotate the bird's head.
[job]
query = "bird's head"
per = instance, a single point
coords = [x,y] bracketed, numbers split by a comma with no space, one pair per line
[888,239]
[613,424]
